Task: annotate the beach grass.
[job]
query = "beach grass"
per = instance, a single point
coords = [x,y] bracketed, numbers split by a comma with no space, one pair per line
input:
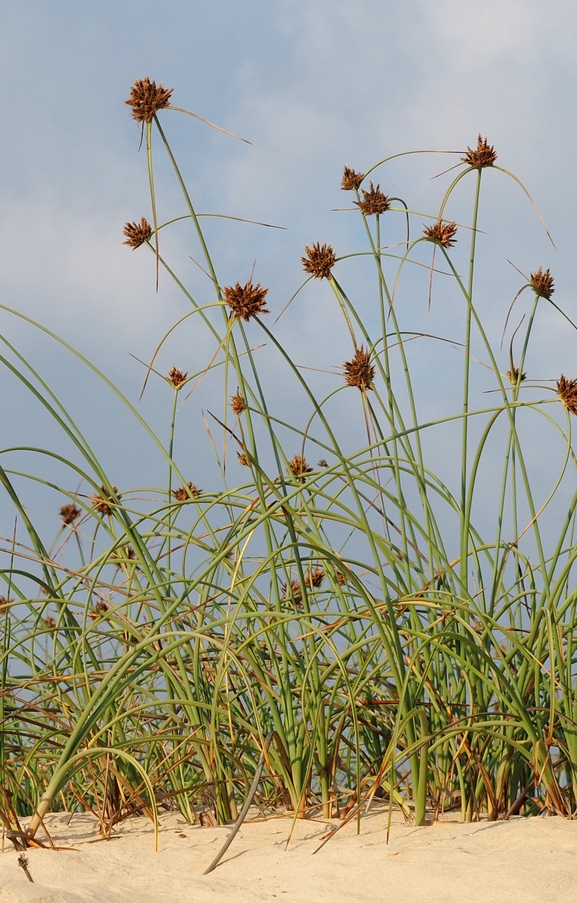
[391,630]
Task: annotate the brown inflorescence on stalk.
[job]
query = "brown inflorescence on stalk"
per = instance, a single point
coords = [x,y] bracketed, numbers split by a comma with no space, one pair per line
[68,514]
[513,376]
[374,201]
[246,301]
[441,232]
[102,503]
[4,604]
[567,392]
[351,179]
[177,377]
[322,463]
[319,260]
[483,155]
[542,283]
[137,234]
[293,591]
[359,372]
[299,467]
[99,609]
[315,578]
[238,404]
[184,493]
[121,556]
[242,459]
[50,622]
[146,99]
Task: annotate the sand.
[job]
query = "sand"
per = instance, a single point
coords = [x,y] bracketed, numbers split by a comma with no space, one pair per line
[523,859]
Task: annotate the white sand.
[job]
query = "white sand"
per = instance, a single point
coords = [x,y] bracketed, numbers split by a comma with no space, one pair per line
[517,861]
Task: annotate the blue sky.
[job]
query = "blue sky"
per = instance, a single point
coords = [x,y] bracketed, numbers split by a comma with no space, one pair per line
[314,84]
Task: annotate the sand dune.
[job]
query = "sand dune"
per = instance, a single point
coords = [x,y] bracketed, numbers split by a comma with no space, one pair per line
[523,859]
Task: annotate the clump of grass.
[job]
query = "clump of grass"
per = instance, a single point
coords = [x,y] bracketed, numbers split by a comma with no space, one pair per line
[362,615]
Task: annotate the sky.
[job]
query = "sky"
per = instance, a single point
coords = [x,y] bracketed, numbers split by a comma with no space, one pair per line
[314,84]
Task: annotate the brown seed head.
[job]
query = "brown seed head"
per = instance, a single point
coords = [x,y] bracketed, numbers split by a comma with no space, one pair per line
[292,591]
[120,557]
[315,578]
[242,459]
[359,372]
[238,404]
[513,376]
[322,463]
[374,201]
[50,622]
[567,392]
[145,99]
[4,604]
[483,155]
[98,610]
[319,260]
[177,377]
[184,493]
[341,579]
[299,466]
[137,234]
[542,283]
[443,233]
[246,301]
[351,179]
[68,514]
[101,503]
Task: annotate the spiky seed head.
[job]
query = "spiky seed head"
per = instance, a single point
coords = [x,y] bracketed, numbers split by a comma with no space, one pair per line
[137,234]
[4,604]
[542,283]
[315,578]
[242,459]
[177,377]
[50,622]
[341,579]
[146,99]
[442,233]
[292,591]
[351,179]
[299,467]
[513,376]
[246,301]
[567,392]
[374,201]
[102,503]
[483,155]
[68,514]
[184,493]
[359,372]
[99,609]
[238,404]
[322,463]
[319,260]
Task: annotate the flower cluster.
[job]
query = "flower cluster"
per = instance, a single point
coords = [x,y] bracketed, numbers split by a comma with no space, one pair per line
[359,372]
[246,301]
[146,99]
[483,155]
[374,201]
[184,493]
[442,233]
[319,260]
[351,179]
[137,233]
